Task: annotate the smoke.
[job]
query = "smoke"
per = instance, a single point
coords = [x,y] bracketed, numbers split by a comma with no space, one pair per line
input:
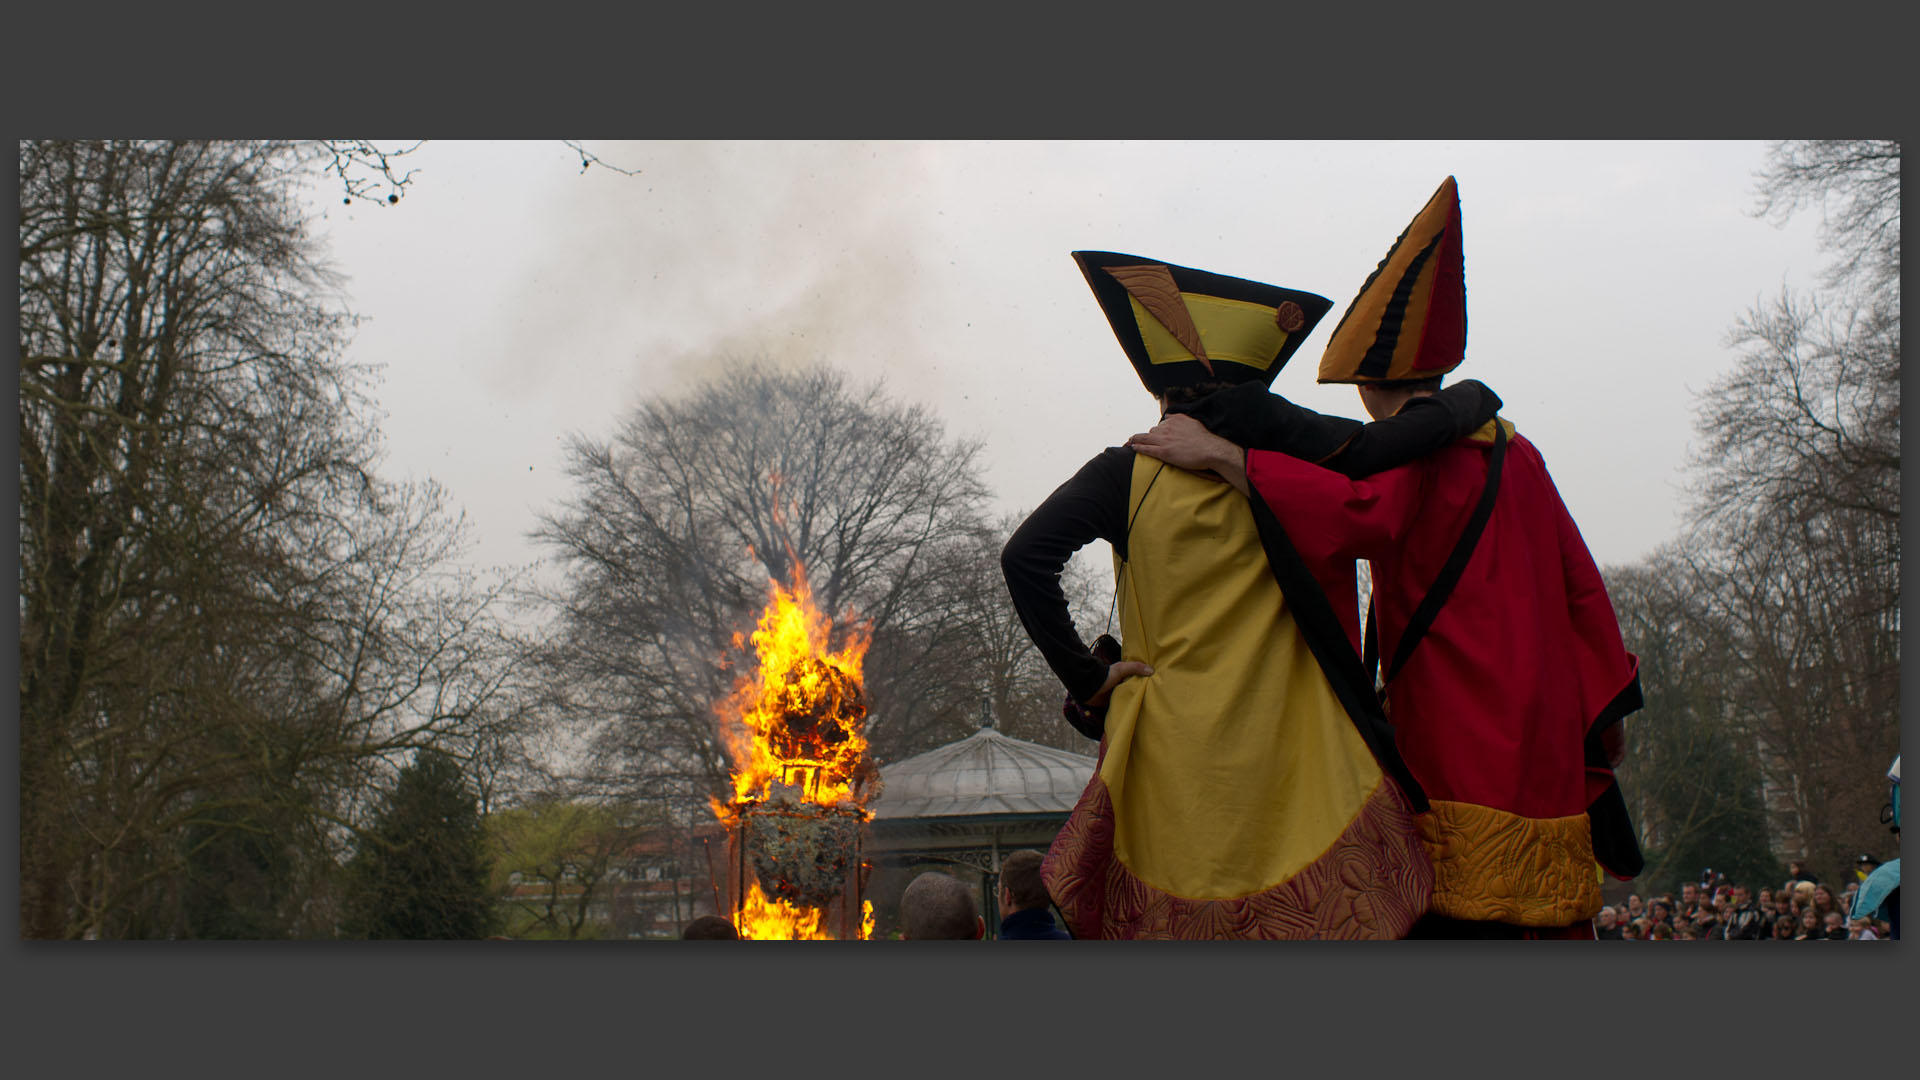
[796,254]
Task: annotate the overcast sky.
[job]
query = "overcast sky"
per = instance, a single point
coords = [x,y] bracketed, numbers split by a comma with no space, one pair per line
[512,300]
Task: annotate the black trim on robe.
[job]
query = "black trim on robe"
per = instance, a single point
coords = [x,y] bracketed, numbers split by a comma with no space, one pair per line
[1615,842]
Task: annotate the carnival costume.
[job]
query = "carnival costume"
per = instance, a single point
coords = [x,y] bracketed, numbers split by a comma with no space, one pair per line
[1506,675]
[1236,796]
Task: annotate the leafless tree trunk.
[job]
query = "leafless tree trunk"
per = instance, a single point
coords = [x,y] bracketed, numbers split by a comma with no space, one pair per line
[228,621]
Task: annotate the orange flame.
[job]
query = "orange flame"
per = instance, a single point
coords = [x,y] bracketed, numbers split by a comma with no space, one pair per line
[797,722]
[800,722]
[765,918]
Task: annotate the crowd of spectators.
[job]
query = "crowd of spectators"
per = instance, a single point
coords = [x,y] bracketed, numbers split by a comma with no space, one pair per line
[1714,909]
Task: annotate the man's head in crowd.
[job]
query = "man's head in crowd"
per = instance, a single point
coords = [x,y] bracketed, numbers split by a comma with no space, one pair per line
[937,907]
[1020,884]
[709,928]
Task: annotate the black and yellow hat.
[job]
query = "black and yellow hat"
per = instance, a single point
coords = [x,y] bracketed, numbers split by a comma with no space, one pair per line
[1410,319]
[1182,326]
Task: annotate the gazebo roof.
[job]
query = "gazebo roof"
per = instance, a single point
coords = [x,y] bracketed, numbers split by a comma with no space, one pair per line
[984,773]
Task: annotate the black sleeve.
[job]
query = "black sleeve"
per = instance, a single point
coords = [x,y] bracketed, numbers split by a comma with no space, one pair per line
[1252,416]
[1091,506]
[1422,426]
[1258,419]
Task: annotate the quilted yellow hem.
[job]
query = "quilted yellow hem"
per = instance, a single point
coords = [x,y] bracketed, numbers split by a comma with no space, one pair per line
[1497,866]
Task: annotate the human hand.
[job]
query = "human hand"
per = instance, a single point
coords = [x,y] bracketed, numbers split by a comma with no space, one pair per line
[1116,674]
[1183,442]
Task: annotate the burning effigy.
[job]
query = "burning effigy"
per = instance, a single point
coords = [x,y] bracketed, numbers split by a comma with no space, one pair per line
[795,731]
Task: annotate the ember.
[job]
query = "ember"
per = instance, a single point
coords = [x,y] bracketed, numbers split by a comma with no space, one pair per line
[795,730]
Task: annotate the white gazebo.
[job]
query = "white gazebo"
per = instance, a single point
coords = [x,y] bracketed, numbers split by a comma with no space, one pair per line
[969,802]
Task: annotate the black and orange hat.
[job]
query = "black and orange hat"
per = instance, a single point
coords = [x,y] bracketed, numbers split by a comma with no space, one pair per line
[1182,326]
[1410,319]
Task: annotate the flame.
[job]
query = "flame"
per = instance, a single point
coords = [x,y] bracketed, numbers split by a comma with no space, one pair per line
[765,918]
[795,729]
[800,722]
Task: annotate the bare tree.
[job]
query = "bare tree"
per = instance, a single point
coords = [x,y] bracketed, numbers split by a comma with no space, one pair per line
[679,521]
[1003,671]
[228,621]
[1794,554]
[1856,185]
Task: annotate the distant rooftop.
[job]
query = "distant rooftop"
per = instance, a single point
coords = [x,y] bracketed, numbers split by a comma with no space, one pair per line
[984,773]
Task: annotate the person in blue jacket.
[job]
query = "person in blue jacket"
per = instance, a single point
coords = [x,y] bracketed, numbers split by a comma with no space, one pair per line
[1879,895]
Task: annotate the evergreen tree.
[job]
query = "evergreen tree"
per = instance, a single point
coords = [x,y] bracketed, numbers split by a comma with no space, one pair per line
[421,870]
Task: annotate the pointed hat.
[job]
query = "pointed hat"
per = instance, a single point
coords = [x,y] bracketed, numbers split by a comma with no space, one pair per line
[1182,326]
[1410,319]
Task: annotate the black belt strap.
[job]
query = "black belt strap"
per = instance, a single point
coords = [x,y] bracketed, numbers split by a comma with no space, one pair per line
[1456,564]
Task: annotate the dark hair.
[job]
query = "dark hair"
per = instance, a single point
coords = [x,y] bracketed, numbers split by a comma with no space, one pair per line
[1189,393]
[1020,873]
[709,928]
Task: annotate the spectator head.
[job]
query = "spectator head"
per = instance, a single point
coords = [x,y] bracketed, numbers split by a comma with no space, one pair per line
[1634,905]
[937,907]
[1662,932]
[1739,896]
[1783,902]
[1607,918]
[1635,930]
[709,928]
[1810,921]
[1659,912]
[1823,898]
[1689,893]
[1766,898]
[1783,928]
[1835,921]
[1020,884]
[1803,894]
